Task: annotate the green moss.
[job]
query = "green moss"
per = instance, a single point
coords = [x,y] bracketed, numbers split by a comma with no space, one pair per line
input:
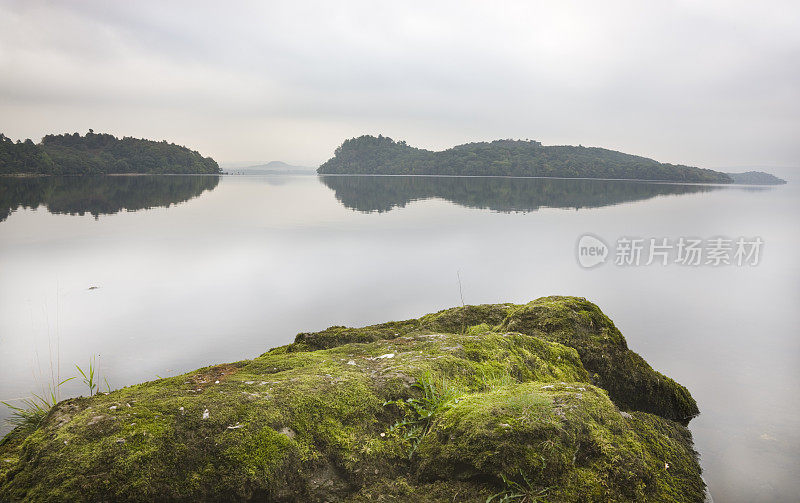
[566,441]
[412,490]
[631,383]
[457,319]
[572,321]
[261,454]
[301,424]
[451,321]
[338,335]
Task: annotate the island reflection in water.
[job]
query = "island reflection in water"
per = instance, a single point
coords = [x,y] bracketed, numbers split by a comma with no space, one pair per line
[507,195]
[100,195]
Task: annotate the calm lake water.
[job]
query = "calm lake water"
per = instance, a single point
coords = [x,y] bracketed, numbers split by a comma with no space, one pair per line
[192,271]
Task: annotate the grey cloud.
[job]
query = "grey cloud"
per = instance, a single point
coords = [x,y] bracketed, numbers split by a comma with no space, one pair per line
[711,84]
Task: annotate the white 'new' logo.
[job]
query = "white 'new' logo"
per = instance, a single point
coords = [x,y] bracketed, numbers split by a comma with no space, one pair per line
[592,251]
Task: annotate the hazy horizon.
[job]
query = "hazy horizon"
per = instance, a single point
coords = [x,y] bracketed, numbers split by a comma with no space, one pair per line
[712,85]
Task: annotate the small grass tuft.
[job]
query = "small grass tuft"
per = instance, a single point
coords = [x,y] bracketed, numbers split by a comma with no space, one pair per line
[28,417]
[34,409]
[91,376]
[518,491]
[438,395]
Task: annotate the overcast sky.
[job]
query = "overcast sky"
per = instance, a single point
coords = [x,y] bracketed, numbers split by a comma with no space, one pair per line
[714,84]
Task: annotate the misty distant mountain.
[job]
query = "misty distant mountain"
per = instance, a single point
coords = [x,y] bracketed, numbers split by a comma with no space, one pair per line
[276,168]
[756,178]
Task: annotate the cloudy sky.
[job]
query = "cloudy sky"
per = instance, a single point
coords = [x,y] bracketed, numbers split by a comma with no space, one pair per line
[714,84]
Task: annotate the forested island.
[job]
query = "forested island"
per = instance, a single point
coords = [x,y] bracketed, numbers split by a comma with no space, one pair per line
[98,153]
[381,155]
[498,402]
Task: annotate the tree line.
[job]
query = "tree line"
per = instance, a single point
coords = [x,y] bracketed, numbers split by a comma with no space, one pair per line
[383,156]
[93,153]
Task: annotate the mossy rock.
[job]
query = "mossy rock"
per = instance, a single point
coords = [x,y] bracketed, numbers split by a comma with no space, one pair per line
[572,321]
[565,442]
[458,405]
[631,383]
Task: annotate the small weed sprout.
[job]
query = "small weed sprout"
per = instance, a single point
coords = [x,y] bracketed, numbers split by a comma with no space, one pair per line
[463,307]
[91,376]
[492,379]
[29,415]
[522,491]
[438,395]
[34,409]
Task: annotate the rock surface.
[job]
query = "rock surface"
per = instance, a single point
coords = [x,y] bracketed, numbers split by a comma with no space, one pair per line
[542,400]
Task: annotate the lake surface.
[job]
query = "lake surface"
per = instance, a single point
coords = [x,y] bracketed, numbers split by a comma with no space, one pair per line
[193,271]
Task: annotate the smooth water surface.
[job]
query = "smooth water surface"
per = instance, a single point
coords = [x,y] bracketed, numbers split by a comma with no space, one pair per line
[162,275]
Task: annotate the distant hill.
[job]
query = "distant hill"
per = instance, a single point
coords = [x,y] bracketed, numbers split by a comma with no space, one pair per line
[756,178]
[275,167]
[381,155]
[73,154]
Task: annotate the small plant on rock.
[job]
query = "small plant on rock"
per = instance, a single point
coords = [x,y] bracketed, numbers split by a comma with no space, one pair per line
[34,409]
[91,376]
[518,491]
[438,395]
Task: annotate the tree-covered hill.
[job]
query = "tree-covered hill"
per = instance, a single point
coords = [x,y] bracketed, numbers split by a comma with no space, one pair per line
[381,155]
[73,154]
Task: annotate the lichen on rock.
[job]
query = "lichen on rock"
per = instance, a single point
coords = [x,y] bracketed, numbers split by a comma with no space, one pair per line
[542,399]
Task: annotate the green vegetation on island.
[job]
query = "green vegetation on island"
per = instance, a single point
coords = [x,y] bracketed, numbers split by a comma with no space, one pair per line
[369,155]
[535,402]
[73,154]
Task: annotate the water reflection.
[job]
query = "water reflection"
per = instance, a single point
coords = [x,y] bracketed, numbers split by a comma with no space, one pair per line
[100,195]
[383,193]
[234,273]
